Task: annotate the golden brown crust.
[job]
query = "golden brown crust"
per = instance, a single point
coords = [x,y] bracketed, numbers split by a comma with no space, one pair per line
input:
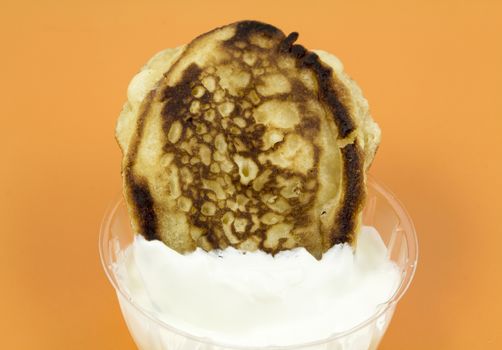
[247,141]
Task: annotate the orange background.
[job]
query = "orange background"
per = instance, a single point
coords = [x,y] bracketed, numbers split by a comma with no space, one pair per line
[431,70]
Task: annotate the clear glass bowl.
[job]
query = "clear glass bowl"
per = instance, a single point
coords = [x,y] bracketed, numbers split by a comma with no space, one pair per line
[382,211]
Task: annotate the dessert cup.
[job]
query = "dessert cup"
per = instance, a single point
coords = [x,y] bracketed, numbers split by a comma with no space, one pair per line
[382,211]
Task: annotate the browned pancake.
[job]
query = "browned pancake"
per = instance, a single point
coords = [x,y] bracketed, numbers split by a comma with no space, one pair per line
[246,140]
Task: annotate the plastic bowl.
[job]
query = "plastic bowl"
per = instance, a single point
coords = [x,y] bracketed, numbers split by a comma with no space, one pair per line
[382,211]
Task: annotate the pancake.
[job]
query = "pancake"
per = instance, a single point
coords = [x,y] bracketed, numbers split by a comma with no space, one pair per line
[243,138]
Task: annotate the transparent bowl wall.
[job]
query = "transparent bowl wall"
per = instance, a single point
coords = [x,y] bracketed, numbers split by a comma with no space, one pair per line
[382,210]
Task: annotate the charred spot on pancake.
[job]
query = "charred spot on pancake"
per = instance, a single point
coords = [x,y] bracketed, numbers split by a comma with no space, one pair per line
[144,210]
[354,196]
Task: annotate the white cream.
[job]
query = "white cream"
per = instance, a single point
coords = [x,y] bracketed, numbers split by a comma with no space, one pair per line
[255,299]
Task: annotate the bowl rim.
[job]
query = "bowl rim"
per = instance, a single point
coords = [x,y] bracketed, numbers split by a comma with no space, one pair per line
[409,272]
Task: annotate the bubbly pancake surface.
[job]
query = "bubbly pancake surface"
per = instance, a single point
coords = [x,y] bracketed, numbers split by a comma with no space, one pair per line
[247,140]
